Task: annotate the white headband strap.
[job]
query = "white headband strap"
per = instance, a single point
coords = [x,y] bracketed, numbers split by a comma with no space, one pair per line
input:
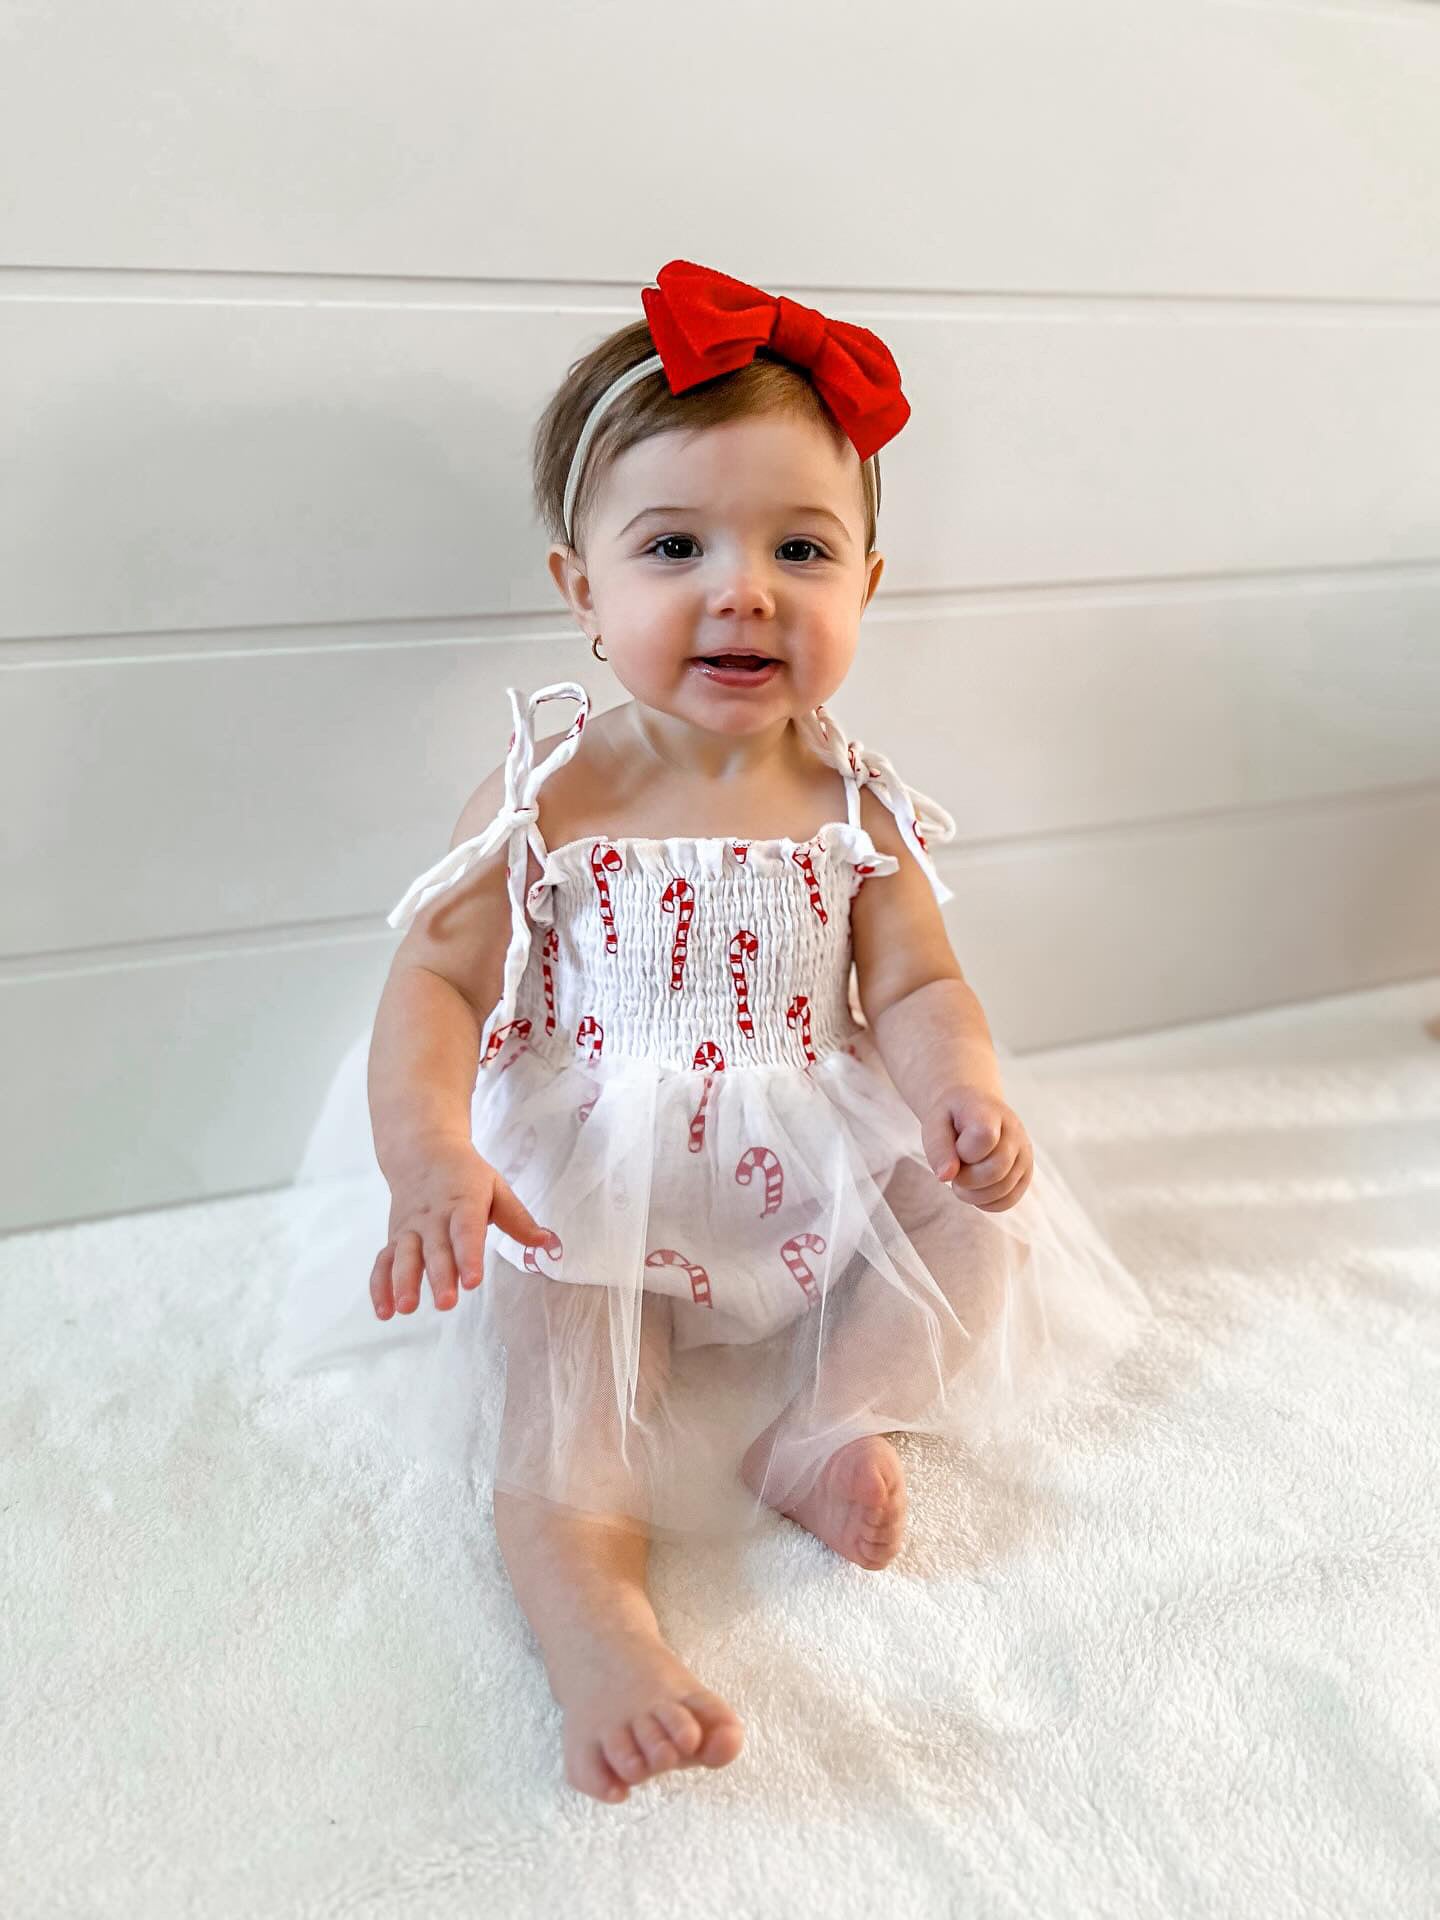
[587,433]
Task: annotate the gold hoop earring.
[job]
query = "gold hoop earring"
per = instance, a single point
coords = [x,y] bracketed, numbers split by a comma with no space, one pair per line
[595,648]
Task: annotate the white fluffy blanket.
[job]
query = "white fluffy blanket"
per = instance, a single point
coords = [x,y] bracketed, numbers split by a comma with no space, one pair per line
[1189,1666]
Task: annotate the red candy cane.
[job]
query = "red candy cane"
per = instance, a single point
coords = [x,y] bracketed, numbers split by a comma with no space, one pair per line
[552,1250]
[699,1279]
[798,1014]
[768,1162]
[590,1030]
[499,1036]
[549,950]
[742,946]
[707,1056]
[797,1265]
[802,858]
[603,859]
[679,898]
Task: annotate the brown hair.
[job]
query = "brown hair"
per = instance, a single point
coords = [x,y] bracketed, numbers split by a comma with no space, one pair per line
[767,384]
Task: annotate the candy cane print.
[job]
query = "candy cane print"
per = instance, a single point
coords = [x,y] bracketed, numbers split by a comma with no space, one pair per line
[699,1279]
[707,1055]
[801,857]
[798,1014]
[742,946]
[583,1113]
[524,1047]
[769,1163]
[740,849]
[603,859]
[549,950]
[498,1037]
[552,1250]
[799,1269]
[515,1165]
[679,898]
[590,1030]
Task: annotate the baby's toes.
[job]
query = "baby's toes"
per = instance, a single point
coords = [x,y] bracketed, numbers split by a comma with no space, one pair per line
[622,1750]
[681,1725]
[723,1734]
[655,1743]
[589,1770]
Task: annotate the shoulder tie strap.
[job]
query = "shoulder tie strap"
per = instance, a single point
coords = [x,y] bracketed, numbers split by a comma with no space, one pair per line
[918,817]
[517,821]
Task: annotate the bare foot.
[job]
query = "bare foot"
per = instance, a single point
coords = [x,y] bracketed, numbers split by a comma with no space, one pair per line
[857,1504]
[632,1709]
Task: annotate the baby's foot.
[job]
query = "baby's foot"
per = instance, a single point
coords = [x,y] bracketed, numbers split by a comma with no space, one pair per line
[632,1709]
[857,1504]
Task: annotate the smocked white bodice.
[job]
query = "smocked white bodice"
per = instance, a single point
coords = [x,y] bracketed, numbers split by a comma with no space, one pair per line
[692,953]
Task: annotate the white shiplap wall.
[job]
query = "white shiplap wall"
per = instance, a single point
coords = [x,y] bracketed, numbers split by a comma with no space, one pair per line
[285,288]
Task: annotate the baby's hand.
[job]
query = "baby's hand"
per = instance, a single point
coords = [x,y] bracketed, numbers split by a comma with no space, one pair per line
[438,1216]
[978,1145]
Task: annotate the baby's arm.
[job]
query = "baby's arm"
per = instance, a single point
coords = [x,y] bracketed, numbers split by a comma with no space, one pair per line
[930,1028]
[445,977]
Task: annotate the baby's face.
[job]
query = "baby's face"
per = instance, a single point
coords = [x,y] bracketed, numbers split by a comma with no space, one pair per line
[758,546]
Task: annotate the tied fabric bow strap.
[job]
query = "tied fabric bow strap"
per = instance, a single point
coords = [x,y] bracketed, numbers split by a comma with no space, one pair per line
[918,817]
[517,822]
[705,323]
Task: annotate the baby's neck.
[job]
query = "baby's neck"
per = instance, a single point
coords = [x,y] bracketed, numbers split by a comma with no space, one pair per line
[688,752]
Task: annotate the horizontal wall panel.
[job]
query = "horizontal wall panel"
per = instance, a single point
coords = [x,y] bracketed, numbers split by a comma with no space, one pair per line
[195,794]
[1124,145]
[171,1080]
[150,1083]
[192,464]
[1198,919]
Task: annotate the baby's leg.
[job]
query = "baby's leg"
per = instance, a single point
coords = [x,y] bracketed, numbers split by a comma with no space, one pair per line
[882,1367]
[632,1709]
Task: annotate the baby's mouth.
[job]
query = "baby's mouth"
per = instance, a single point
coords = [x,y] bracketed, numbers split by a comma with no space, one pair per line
[753,661]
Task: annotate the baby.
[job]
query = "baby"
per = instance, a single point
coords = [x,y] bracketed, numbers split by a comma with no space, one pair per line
[726,1169]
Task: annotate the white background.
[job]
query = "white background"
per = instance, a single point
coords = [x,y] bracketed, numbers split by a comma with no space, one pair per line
[284,288]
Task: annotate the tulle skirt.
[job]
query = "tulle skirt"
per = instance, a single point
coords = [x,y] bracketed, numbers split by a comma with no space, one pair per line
[751,1268]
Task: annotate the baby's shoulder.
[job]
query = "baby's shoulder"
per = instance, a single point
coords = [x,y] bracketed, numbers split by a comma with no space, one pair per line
[570,799]
[879,822]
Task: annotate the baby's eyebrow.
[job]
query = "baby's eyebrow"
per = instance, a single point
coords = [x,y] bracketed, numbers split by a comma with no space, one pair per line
[822,513]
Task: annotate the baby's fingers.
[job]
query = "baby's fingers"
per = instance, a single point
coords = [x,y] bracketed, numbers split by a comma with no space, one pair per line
[467,1237]
[512,1216]
[440,1264]
[408,1267]
[382,1296]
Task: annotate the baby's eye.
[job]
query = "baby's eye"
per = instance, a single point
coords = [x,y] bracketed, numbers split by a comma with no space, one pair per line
[685,539]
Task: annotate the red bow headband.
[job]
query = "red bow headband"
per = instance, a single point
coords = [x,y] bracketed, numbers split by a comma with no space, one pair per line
[704,324]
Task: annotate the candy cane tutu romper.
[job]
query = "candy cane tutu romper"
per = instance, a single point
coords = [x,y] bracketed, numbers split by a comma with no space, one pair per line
[677,1082]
